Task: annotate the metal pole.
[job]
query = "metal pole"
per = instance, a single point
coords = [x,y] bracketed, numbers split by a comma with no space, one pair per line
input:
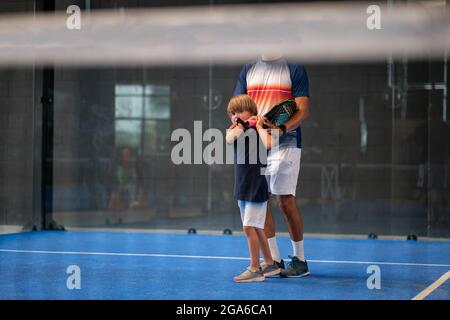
[210,123]
[48,86]
[445,90]
[36,146]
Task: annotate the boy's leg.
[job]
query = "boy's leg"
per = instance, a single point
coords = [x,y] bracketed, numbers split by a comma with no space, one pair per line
[253,246]
[253,219]
[252,273]
[259,214]
[269,230]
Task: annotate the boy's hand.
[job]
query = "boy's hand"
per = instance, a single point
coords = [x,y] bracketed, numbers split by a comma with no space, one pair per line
[252,118]
[234,120]
[260,121]
[269,124]
[271,127]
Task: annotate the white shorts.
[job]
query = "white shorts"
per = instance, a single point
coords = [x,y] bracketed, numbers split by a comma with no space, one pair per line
[283,167]
[253,214]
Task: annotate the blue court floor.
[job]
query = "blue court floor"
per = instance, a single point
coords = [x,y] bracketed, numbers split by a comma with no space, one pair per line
[180,266]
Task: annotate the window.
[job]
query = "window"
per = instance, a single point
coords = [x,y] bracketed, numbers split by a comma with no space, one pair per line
[142,117]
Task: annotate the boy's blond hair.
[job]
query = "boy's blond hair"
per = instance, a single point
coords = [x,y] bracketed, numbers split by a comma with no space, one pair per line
[242,103]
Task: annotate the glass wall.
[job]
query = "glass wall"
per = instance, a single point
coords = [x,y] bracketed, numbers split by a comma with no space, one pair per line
[17,139]
[373,157]
[16,148]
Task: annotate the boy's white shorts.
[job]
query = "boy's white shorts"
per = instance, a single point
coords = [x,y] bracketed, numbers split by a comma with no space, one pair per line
[253,214]
[282,170]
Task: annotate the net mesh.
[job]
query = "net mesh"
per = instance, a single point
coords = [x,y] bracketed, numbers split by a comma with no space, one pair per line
[312,32]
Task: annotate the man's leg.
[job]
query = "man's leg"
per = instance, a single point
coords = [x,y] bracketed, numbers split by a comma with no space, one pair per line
[294,221]
[298,266]
[270,267]
[264,246]
[269,226]
[284,168]
[292,216]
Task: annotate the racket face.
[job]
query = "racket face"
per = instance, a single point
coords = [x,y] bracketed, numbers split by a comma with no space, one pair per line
[282,118]
[282,112]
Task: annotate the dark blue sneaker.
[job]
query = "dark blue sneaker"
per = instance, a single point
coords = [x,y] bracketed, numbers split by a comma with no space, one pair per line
[280,264]
[295,269]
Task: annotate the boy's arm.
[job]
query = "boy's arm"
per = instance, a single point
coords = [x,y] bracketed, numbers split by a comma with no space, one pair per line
[233,132]
[264,133]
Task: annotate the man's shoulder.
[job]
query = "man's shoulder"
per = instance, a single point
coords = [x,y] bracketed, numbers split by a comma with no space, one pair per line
[248,66]
[295,66]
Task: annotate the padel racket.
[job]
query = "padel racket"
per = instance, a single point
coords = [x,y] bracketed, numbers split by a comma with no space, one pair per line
[282,112]
[247,124]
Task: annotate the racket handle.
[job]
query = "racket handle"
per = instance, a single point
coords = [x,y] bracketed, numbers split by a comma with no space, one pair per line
[243,123]
[252,123]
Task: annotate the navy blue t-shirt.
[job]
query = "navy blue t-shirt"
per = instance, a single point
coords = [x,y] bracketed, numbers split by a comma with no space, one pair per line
[249,182]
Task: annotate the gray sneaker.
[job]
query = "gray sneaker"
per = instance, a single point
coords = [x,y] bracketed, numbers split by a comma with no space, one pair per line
[295,269]
[270,269]
[250,276]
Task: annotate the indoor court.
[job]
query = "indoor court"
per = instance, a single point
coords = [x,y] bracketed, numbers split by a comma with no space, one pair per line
[122,265]
[116,175]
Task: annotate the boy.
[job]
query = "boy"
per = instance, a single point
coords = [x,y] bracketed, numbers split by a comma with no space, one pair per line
[251,190]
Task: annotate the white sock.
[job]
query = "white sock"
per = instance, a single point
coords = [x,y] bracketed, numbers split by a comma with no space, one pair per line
[299,252]
[274,249]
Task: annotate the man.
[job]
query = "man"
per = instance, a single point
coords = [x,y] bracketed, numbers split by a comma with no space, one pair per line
[269,81]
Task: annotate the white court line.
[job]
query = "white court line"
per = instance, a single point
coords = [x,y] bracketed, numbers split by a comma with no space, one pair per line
[433,286]
[384,263]
[124,254]
[241,233]
[213,257]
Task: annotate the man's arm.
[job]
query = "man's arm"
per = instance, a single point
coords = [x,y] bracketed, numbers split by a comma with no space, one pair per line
[301,115]
[241,85]
[300,90]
